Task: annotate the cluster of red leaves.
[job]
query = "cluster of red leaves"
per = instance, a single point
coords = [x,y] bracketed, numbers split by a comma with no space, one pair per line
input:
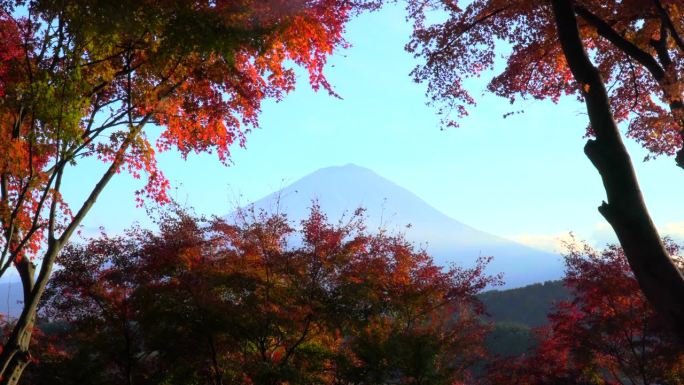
[608,334]
[220,97]
[645,88]
[16,155]
[22,169]
[83,79]
[221,303]
[11,52]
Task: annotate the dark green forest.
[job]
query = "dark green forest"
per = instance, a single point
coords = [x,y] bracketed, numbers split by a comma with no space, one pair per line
[528,305]
[515,312]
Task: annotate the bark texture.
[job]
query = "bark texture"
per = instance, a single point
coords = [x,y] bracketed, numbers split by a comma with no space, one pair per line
[625,210]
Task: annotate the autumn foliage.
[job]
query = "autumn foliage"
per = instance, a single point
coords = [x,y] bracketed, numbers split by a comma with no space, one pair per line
[636,45]
[120,81]
[82,80]
[609,333]
[205,301]
[623,59]
[260,301]
[264,301]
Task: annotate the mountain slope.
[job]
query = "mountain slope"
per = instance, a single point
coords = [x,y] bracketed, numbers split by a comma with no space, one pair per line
[528,305]
[340,190]
[515,312]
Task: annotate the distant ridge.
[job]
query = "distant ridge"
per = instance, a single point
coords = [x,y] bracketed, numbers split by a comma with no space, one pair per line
[340,190]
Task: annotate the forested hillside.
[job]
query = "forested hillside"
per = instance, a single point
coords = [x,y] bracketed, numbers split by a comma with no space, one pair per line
[516,311]
[526,305]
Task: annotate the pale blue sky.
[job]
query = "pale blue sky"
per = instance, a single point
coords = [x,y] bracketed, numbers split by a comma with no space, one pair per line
[524,177]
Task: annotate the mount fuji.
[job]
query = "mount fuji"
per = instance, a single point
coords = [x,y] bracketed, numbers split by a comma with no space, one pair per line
[340,190]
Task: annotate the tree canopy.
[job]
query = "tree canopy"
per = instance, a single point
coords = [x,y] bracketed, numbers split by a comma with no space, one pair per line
[622,58]
[636,46]
[120,81]
[259,302]
[608,333]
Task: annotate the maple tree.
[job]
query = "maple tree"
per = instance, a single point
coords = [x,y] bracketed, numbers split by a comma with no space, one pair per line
[211,302]
[119,81]
[577,47]
[98,281]
[608,334]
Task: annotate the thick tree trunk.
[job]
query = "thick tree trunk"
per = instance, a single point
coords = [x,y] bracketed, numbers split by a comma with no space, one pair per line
[20,357]
[15,356]
[659,278]
[16,352]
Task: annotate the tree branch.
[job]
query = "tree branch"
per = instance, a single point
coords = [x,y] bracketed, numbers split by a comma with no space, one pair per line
[660,46]
[668,22]
[656,273]
[106,177]
[606,31]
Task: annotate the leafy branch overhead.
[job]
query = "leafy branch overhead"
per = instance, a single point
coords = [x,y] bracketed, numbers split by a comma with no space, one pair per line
[635,44]
[622,58]
[120,81]
[82,80]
